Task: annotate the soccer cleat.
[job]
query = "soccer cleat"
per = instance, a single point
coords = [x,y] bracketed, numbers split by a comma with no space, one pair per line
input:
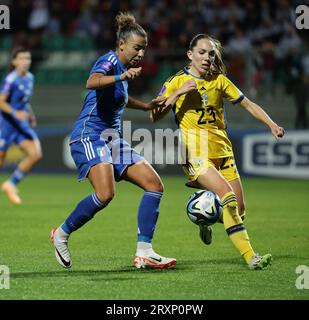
[205,233]
[11,191]
[153,261]
[260,262]
[62,252]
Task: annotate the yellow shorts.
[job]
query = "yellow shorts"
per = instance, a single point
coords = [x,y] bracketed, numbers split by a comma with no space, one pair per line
[226,166]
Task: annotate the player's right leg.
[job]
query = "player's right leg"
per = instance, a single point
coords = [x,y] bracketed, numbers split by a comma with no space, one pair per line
[101,175]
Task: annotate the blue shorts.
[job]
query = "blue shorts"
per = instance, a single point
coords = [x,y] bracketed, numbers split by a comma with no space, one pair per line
[90,151]
[10,134]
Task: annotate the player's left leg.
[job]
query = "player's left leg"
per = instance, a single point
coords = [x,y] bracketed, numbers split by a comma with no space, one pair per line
[143,175]
[229,170]
[33,152]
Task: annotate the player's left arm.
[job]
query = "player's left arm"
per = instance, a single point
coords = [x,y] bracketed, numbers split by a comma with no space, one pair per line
[260,114]
[145,106]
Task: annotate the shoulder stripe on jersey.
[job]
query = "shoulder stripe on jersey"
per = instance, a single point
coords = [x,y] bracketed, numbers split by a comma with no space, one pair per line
[179,73]
[11,77]
[112,59]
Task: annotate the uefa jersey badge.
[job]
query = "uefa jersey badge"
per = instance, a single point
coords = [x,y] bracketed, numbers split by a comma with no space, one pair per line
[106,66]
[204,98]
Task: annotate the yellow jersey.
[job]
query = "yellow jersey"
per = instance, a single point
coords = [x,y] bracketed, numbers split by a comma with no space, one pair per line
[203,110]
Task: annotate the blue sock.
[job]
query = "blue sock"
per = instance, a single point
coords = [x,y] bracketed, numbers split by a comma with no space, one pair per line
[17,176]
[84,211]
[147,216]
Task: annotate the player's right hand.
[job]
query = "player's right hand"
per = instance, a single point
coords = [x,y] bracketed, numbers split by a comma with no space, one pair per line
[189,85]
[131,73]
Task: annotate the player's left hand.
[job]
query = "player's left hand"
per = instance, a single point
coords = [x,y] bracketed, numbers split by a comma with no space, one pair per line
[32,120]
[157,102]
[277,132]
[131,74]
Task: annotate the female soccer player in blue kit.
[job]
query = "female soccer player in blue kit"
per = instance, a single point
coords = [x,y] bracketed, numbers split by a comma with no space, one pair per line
[102,160]
[17,120]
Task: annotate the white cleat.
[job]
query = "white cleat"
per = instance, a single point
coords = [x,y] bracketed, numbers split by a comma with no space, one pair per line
[62,252]
[260,262]
[11,191]
[153,261]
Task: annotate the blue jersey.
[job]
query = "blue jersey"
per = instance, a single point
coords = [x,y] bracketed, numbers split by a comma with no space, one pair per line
[18,89]
[103,108]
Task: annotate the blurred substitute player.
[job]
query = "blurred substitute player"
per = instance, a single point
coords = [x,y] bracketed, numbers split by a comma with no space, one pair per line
[195,95]
[17,120]
[102,159]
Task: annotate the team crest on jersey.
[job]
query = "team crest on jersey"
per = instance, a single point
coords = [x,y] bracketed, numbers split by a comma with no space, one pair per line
[101,151]
[197,162]
[204,98]
[194,165]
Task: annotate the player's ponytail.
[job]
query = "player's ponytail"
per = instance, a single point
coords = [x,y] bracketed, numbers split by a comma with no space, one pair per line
[126,25]
[218,66]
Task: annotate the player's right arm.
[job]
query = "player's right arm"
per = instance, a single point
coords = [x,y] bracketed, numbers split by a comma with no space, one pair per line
[160,112]
[100,81]
[7,108]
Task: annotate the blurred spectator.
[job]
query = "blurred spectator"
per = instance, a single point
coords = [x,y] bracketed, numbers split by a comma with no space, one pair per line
[263,31]
[238,48]
[265,62]
[39,15]
[297,84]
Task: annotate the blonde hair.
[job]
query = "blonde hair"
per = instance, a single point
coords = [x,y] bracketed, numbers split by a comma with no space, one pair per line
[126,25]
[218,66]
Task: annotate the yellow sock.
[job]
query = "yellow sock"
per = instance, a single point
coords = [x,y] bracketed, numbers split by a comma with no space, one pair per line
[234,226]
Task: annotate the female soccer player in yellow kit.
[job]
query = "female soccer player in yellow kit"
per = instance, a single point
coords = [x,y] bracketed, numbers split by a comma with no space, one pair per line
[195,95]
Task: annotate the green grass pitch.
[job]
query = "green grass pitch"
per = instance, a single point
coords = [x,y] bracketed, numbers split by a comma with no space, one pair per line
[102,251]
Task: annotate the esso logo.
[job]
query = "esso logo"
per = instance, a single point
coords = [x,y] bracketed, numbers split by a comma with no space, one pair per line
[289,157]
